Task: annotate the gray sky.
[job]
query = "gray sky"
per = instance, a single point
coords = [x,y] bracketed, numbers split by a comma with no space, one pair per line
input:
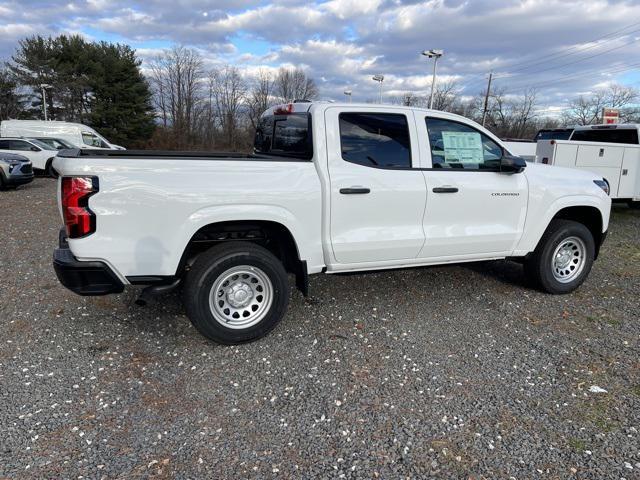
[562,48]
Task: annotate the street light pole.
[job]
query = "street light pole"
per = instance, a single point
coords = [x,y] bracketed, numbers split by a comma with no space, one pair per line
[379,78]
[435,54]
[44,86]
[348,94]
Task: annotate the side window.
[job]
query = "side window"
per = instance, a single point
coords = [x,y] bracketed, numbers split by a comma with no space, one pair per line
[20,145]
[375,139]
[4,145]
[455,145]
[91,139]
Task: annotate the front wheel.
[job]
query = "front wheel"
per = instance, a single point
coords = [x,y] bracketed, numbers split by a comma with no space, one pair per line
[236,292]
[563,258]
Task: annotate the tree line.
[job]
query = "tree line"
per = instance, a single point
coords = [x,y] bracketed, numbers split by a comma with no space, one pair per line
[520,116]
[216,108]
[178,102]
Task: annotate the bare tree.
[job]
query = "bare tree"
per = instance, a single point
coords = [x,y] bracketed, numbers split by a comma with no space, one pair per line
[228,90]
[176,78]
[260,97]
[445,96]
[587,110]
[510,115]
[293,84]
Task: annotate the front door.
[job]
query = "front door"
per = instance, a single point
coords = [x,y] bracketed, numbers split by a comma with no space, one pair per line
[473,210]
[377,201]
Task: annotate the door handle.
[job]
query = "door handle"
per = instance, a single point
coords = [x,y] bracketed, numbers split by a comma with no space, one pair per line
[354,190]
[445,190]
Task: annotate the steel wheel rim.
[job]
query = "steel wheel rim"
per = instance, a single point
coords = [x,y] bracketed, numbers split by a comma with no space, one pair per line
[568,259]
[241,297]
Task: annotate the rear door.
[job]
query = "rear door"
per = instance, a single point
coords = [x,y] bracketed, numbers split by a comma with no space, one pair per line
[473,210]
[377,200]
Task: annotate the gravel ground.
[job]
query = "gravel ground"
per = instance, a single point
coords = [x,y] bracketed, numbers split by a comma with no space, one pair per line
[452,372]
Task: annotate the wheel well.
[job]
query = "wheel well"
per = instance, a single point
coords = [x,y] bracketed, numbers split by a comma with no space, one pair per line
[590,217]
[273,236]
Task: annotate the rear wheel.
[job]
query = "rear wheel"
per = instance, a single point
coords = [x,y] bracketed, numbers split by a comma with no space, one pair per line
[236,292]
[563,258]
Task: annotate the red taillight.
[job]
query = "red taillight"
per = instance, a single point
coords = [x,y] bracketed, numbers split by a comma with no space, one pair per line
[78,219]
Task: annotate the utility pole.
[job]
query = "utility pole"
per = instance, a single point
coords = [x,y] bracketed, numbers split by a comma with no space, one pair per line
[486,99]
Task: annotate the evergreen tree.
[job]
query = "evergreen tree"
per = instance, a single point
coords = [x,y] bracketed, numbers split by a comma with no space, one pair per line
[99,84]
[11,102]
[121,99]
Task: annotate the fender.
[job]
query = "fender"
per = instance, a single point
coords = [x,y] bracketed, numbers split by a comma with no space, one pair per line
[533,231]
[308,244]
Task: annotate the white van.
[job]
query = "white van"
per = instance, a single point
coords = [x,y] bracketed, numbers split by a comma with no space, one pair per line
[76,133]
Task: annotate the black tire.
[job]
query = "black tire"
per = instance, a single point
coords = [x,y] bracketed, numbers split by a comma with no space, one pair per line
[539,267]
[210,267]
[634,205]
[49,170]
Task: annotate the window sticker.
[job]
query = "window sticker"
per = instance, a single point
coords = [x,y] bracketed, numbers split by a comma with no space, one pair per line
[463,147]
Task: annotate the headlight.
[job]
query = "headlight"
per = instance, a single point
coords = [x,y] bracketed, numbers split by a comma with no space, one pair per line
[603,185]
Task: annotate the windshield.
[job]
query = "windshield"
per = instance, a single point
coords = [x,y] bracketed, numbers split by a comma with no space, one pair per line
[41,144]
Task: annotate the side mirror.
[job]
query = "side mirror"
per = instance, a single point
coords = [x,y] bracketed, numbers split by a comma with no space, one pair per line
[512,164]
[35,149]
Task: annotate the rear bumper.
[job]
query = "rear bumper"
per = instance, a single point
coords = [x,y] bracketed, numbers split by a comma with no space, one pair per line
[84,278]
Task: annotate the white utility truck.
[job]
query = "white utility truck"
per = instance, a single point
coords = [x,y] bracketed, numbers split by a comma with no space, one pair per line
[330,188]
[610,151]
[76,133]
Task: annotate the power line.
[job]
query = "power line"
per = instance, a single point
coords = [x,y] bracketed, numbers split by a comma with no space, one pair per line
[563,53]
[571,76]
[580,48]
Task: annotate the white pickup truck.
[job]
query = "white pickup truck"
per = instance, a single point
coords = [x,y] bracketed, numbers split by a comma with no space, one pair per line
[611,151]
[330,188]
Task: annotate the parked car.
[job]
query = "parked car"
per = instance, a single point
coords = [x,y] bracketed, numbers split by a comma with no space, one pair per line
[330,188]
[74,133]
[40,154]
[57,143]
[611,151]
[14,170]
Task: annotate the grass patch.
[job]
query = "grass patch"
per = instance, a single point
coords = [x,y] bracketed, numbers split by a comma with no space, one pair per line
[578,445]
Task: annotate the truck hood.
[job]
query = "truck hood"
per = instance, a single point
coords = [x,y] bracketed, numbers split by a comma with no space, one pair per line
[541,170]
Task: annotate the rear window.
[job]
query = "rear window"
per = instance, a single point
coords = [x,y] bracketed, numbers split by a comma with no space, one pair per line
[285,135]
[553,134]
[610,135]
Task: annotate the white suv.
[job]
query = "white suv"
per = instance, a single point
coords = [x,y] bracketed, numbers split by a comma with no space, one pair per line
[40,154]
